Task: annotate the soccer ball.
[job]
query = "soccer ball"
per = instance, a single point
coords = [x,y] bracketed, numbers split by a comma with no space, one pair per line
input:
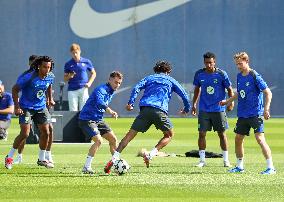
[121,167]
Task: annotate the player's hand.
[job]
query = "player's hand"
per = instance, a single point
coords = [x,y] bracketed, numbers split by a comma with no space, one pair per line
[129,107]
[18,111]
[182,112]
[230,107]
[193,110]
[223,102]
[266,114]
[72,74]
[114,115]
[87,85]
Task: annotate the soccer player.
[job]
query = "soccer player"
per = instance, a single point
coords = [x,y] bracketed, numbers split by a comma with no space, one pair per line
[251,111]
[50,102]
[210,88]
[91,118]
[75,72]
[6,110]
[32,106]
[153,105]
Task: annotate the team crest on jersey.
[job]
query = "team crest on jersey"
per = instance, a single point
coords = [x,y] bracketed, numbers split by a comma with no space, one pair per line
[39,94]
[247,83]
[210,90]
[215,81]
[242,94]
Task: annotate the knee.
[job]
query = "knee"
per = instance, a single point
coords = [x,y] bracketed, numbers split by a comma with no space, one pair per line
[169,134]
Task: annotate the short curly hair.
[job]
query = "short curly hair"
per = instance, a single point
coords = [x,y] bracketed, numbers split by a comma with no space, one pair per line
[162,66]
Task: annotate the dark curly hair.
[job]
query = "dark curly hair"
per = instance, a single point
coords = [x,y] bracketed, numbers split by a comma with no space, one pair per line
[38,61]
[162,66]
[209,55]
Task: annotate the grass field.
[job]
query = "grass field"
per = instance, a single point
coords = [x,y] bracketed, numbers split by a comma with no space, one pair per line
[167,179]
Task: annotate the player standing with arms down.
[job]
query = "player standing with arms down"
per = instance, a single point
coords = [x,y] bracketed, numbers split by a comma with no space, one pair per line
[91,118]
[32,106]
[153,105]
[210,88]
[251,111]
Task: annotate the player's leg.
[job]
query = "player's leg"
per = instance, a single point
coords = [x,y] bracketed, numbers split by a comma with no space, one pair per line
[220,124]
[83,97]
[242,129]
[73,100]
[91,132]
[204,125]
[49,144]
[25,125]
[42,119]
[258,125]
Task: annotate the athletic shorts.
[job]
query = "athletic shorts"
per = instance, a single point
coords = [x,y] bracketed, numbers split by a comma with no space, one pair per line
[149,116]
[93,128]
[244,125]
[217,120]
[37,116]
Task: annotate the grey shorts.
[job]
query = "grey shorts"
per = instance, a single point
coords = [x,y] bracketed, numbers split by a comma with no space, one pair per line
[37,116]
[217,120]
[149,116]
[4,125]
[244,125]
[93,128]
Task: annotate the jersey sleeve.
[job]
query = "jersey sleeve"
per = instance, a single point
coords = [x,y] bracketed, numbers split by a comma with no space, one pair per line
[138,87]
[178,89]
[90,66]
[196,79]
[24,80]
[226,81]
[260,83]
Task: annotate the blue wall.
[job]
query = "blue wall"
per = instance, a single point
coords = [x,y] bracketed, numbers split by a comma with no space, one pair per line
[180,35]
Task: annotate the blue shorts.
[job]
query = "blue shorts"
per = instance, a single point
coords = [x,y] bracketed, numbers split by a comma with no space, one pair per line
[244,125]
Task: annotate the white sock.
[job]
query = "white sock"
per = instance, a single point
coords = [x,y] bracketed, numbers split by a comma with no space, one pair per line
[48,155]
[89,161]
[269,163]
[153,153]
[115,156]
[41,155]
[20,155]
[225,156]
[240,163]
[202,155]
[11,153]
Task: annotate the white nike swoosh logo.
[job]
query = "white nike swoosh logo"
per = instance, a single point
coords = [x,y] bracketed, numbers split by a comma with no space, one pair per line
[88,23]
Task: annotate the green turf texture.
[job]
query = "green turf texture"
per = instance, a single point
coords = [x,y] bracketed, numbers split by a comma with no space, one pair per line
[167,179]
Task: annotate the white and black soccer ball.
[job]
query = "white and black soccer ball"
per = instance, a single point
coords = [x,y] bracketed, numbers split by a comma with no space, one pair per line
[121,167]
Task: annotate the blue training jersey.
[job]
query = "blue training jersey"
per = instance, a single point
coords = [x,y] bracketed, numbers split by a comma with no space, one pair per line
[213,87]
[250,95]
[97,103]
[81,76]
[34,90]
[158,90]
[6,101]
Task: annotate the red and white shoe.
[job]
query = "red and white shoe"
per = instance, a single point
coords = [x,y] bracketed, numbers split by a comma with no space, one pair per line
[146,160]
[108,166]
[8,162]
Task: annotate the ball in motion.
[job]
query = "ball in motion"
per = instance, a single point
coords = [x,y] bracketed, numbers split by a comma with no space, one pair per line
[121,167]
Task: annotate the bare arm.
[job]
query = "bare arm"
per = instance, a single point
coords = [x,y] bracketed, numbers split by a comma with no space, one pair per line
[15,95]
[268,97]
[195,99]
[8,110]
[229,100]
[113,113]
[230,90]
[92,78]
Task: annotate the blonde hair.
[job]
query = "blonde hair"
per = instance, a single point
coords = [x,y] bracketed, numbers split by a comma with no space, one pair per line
[74,47]
[241,56]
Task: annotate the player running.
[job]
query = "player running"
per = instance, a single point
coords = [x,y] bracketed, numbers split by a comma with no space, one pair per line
[153,105]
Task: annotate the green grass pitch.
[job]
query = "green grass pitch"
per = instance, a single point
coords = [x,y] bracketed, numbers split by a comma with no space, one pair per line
[167,179]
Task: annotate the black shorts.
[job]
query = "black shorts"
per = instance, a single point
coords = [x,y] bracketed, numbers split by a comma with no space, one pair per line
[93,128]
[217,120]
[149,116]
[37,116]
[244,125]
